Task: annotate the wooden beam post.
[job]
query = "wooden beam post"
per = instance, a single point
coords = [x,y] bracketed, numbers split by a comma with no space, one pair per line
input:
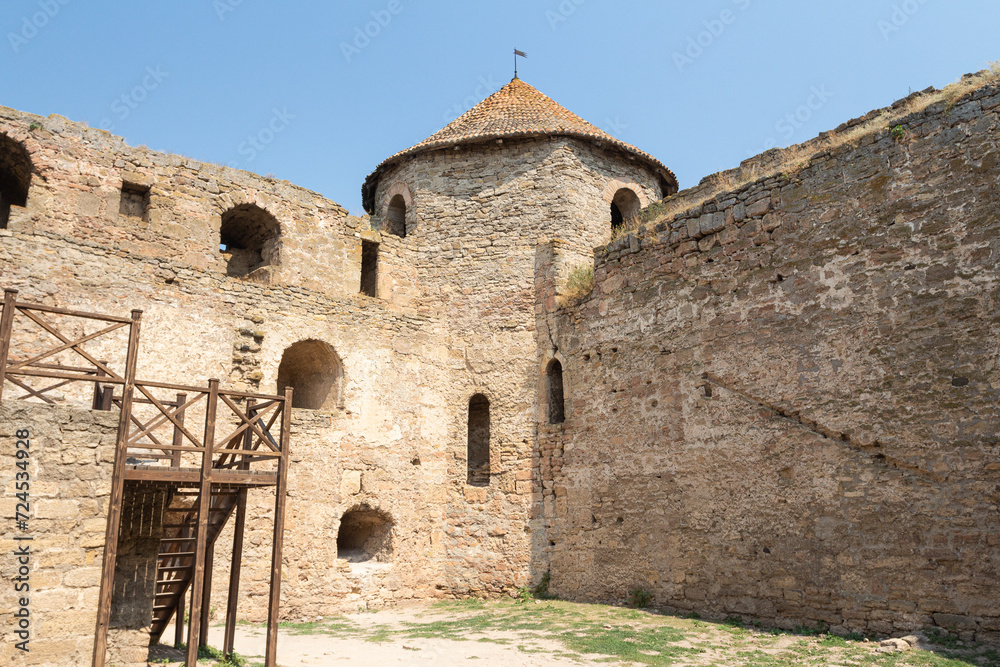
[206,596]
[115,500]
[175,457]
[271,647]
[107,398]
[237,557]
[201,543]
[179,620]
[6,328]
[96,403]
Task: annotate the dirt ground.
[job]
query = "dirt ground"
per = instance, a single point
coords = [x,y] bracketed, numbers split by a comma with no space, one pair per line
[541,633]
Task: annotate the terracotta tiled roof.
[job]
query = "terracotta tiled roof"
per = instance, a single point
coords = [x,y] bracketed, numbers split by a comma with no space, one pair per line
[515,111]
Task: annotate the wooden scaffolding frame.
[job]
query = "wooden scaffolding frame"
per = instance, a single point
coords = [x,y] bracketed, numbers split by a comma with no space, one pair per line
[219,481]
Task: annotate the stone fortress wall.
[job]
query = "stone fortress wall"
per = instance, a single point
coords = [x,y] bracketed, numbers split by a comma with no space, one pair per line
[783,404]
[779,404]
[69,482]
[108,228]
[390,437]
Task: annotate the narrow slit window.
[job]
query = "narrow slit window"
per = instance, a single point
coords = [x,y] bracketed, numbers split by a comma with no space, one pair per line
[369,268]
[479,441]
[554,378]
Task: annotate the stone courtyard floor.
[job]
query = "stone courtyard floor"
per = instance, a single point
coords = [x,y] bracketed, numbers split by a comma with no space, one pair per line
[551,632]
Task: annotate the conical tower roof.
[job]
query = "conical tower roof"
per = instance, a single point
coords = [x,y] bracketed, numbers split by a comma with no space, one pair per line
[516,111]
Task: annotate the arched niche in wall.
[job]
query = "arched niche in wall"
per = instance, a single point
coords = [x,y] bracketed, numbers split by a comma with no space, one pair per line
[15,176]
[313,370]
[365,534]
[249,238]
[478,444]
[396,216]
[398,201]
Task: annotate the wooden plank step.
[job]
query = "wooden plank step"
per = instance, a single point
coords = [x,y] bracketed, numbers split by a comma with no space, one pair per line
[169,582]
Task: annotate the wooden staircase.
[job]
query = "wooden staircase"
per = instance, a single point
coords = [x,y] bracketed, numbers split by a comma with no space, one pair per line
[176,560]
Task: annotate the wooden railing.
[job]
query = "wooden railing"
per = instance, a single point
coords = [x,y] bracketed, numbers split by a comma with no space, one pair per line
[156,435]
[18,318]
[163,432]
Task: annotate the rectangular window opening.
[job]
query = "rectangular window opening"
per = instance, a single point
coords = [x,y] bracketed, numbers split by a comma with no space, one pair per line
[4,212]
[369,268]
[134,201]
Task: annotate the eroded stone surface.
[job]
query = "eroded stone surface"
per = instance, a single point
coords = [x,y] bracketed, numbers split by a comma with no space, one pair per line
[780,404]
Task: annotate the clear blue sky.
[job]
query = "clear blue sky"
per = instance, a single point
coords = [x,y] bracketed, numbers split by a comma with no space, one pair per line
[326,103]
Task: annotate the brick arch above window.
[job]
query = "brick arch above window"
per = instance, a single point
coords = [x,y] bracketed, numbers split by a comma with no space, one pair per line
[397,188]
[614,185]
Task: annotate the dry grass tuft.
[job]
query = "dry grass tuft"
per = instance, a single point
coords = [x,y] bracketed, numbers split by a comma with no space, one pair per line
[627,227]
[579,284]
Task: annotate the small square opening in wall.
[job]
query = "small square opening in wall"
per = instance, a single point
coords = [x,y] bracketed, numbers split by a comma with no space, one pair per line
[369,268]
[135,200]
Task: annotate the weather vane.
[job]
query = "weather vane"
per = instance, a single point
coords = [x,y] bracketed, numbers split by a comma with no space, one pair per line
[516,54]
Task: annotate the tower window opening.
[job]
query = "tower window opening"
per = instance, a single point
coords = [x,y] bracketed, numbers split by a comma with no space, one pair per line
[396,216]
[479,441]
[554,379]
[369,268]
[249,238]
[625,206]
[15,177]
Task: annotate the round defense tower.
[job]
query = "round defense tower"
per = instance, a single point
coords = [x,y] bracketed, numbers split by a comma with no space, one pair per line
[465,209]
[517,162]
[461,217]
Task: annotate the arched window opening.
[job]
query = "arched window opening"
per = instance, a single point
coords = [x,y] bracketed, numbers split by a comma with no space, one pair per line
[365,535]
[15,177]
[312,369]
[479,441]
[249,239]
[369,268]
[624,207]
[554,377]
[396,216]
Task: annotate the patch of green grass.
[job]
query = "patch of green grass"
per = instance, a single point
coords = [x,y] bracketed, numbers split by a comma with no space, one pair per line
[639,598]
[600,633]
[222,660]
[380,635]
[333,626]
[466,603]
[810,631]
[942,638]
[629,644]
[541,591]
